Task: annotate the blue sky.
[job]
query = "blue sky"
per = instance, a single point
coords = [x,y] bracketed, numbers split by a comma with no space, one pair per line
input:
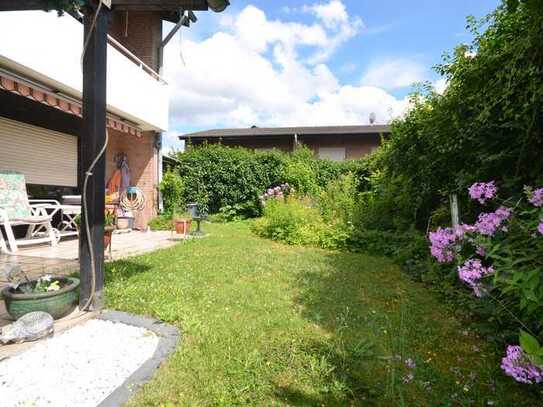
[303,62]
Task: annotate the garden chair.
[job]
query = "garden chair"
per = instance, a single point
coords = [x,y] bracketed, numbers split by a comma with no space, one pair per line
[16,210]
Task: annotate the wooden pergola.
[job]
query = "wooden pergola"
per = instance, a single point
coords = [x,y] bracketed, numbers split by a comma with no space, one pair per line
[93,131]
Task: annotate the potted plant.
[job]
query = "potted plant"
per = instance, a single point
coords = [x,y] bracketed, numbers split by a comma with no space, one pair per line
[181,222]
[57,296]
[109,227]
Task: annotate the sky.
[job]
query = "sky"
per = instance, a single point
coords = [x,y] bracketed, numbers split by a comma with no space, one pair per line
[308,62]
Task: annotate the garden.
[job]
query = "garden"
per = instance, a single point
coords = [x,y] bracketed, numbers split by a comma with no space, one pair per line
[327,283]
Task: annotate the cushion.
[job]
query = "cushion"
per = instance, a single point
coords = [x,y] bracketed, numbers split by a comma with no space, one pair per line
[13,194]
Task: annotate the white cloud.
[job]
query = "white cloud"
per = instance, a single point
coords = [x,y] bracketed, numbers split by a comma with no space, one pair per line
[251,72]
[440,85]
[394,74]
[332,14]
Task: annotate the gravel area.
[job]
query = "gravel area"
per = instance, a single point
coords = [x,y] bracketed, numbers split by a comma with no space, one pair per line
[80,367]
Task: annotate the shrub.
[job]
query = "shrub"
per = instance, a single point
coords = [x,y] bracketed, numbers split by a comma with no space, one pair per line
[218,177]
[171,189]
[161,222]
[498,259]
[292,220]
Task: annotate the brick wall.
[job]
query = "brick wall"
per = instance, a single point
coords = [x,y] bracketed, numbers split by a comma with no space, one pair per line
[142,160]
[140,32]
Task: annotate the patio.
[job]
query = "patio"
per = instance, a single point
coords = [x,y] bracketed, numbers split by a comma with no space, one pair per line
[62,259]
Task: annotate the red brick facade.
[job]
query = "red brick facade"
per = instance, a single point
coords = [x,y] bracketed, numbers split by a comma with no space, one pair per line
[141,33]
[143,163]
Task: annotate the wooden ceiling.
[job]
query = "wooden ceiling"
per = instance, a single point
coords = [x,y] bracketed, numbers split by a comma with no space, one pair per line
[144,5]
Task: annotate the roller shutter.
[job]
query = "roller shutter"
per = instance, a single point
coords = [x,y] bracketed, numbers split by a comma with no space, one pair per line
[46,157]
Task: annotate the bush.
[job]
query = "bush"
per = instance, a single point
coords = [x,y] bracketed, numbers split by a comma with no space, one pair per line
[231,180]
[162,222]
[171,189]
[292,220]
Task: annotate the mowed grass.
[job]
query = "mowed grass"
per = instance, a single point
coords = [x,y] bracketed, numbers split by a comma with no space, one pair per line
[267,324]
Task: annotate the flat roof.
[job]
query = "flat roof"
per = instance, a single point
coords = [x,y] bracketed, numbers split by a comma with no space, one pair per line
[288,131]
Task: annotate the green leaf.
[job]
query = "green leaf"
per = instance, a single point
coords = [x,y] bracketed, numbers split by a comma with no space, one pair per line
[528,343]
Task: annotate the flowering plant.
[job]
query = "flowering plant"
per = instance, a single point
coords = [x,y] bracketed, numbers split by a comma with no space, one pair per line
[278,192]
[499,255]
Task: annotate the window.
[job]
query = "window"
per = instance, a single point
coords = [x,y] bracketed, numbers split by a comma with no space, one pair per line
[332,153]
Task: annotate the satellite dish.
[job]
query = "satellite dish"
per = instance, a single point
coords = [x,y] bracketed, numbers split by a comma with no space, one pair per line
[372,117]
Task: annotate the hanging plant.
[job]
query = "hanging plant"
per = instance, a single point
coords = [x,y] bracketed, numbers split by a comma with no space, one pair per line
[63,5]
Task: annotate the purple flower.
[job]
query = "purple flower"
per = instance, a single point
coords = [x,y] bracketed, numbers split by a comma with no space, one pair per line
[483,191]
[442,244]
[536,199]
[488,223]
[540,227]
[471,272]
[517,365]
[410,363]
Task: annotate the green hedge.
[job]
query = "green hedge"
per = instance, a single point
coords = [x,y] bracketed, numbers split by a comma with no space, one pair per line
[232,179]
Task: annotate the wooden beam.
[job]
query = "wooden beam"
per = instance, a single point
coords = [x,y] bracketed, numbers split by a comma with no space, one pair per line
[15,5]
[159,5]
[92,141]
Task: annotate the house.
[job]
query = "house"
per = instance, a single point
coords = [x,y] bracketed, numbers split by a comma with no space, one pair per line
[41,84]
[333,142]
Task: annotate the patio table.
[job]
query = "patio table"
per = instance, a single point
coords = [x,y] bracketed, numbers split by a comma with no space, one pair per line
[68,224]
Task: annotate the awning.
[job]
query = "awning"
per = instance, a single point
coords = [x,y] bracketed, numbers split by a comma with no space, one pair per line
[48,97]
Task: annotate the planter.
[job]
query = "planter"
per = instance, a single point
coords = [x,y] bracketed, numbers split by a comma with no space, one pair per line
[57,303]
[182,226]
[108,231]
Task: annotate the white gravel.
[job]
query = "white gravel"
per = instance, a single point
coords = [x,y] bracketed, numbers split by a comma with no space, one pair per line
[79,367]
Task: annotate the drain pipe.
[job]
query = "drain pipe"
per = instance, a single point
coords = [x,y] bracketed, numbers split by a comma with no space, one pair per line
[158,147]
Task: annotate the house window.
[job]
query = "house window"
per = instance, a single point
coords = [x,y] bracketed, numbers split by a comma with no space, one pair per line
[332,153]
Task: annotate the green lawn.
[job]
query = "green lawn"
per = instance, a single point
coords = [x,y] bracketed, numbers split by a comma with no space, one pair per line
[270,325]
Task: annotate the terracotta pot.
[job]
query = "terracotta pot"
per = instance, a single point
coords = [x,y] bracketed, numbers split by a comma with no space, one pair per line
[182,226]
[108,231]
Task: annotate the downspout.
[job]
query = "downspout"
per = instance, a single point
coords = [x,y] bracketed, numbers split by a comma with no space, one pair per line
[158,147]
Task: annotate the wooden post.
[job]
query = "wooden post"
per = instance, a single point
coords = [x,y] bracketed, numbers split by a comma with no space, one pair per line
[93,139]
[455,213]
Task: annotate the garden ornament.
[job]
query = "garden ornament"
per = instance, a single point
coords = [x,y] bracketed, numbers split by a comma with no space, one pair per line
[30,327]
[14,275]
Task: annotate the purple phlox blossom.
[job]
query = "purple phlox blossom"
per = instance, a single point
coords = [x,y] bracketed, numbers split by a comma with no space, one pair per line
[276,192]
[483,191]
[540,227]
[442,244]
[461,230]
[536,199]
[480,251]
[471,272]
[517,365]
[488,223]
[410,364]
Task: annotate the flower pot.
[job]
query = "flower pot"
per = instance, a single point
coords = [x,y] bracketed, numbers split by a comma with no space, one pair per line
[108,231]
[182,226]
[57,303]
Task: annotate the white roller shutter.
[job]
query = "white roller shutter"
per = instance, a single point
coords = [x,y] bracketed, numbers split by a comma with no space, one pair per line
[46,157]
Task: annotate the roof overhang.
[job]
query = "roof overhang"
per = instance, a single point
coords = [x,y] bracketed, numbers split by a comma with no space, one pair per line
[123,5]
[257,133]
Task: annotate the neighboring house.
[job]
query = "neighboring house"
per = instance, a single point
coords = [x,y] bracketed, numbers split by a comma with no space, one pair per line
[334,142]
[41,90]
